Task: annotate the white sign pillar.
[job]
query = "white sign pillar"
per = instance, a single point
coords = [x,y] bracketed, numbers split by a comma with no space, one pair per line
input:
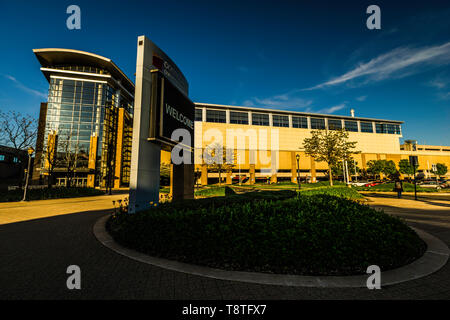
[145,156]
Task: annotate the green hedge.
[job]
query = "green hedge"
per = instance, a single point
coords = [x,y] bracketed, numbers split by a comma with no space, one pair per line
[52,193]
[275,232]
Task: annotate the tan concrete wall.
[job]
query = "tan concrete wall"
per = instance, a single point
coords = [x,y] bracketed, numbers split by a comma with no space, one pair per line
[373,146]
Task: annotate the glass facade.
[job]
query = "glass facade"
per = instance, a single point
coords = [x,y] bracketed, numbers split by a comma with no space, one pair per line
[260,119]
[238,117]
[198,114]
[366,127]
[317,123]
[280,121]
[334,124]
[351,125]
[216,116]
[300,122]
[387,128]
[80,108]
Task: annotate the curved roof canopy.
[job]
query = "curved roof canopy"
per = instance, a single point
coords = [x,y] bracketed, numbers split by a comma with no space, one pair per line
[51,57]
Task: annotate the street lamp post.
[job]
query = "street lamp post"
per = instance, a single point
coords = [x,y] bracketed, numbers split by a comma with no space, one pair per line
[239,162]
[30,152]
[298,170]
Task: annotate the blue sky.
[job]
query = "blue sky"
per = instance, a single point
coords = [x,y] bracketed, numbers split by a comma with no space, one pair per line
[315,56]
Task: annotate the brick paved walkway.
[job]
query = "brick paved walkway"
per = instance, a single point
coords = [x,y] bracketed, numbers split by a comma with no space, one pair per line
[35,254]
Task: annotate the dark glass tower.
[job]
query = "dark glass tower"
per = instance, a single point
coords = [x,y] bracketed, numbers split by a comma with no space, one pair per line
[87,132]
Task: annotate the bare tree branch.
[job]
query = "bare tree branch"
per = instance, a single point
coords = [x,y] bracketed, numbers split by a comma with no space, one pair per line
[17,130]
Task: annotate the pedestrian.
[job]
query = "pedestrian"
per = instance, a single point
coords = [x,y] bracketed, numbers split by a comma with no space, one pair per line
[398,186]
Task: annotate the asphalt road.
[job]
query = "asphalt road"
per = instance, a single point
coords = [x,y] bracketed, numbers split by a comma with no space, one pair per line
[35,254]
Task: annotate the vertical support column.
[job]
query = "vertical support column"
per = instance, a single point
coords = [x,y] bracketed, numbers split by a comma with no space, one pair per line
[252,174]
[228,179]
[363,160]
[204,178]
[182,181]
[92,160]
[203,114]
[252,162]
[290,120]
[37,164]
[293,167]
[119,148]
[313,170]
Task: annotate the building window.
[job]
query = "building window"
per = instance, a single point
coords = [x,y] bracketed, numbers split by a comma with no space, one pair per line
[380,128]
[317,123]
[280,121]
[238,117]
[300,122]
[366,127]
[2,157]
[334,124]
[198,115]
[216,116]
[351,125]
[15,160]
[260,119]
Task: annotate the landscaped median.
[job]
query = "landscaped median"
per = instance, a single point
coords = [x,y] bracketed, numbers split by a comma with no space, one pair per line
[318,232]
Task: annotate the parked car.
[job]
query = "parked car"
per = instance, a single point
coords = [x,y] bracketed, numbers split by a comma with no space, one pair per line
[431,184]
[373,183]
[359,183]
[445,183]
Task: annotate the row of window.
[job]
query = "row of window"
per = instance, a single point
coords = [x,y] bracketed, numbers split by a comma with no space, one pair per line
[262,119]
[15,159]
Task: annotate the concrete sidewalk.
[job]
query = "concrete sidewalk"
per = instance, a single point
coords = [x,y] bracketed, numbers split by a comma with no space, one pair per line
[11,212]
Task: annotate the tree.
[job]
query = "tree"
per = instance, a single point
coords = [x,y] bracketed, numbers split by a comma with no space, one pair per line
[405,167]
[389,168]
[441,169]
[351,164]
[219,159]
[17,130]
[330,146]
[69,157]
[374,167]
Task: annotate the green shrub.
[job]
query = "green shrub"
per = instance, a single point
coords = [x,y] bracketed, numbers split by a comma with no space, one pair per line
[274,232]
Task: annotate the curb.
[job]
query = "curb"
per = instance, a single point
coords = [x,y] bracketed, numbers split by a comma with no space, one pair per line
[433,259]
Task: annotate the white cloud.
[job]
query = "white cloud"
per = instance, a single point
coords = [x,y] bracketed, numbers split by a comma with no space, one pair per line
[362,98]
[397,63]
[437,83]
[21,86]
[333,108]
[282,101]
